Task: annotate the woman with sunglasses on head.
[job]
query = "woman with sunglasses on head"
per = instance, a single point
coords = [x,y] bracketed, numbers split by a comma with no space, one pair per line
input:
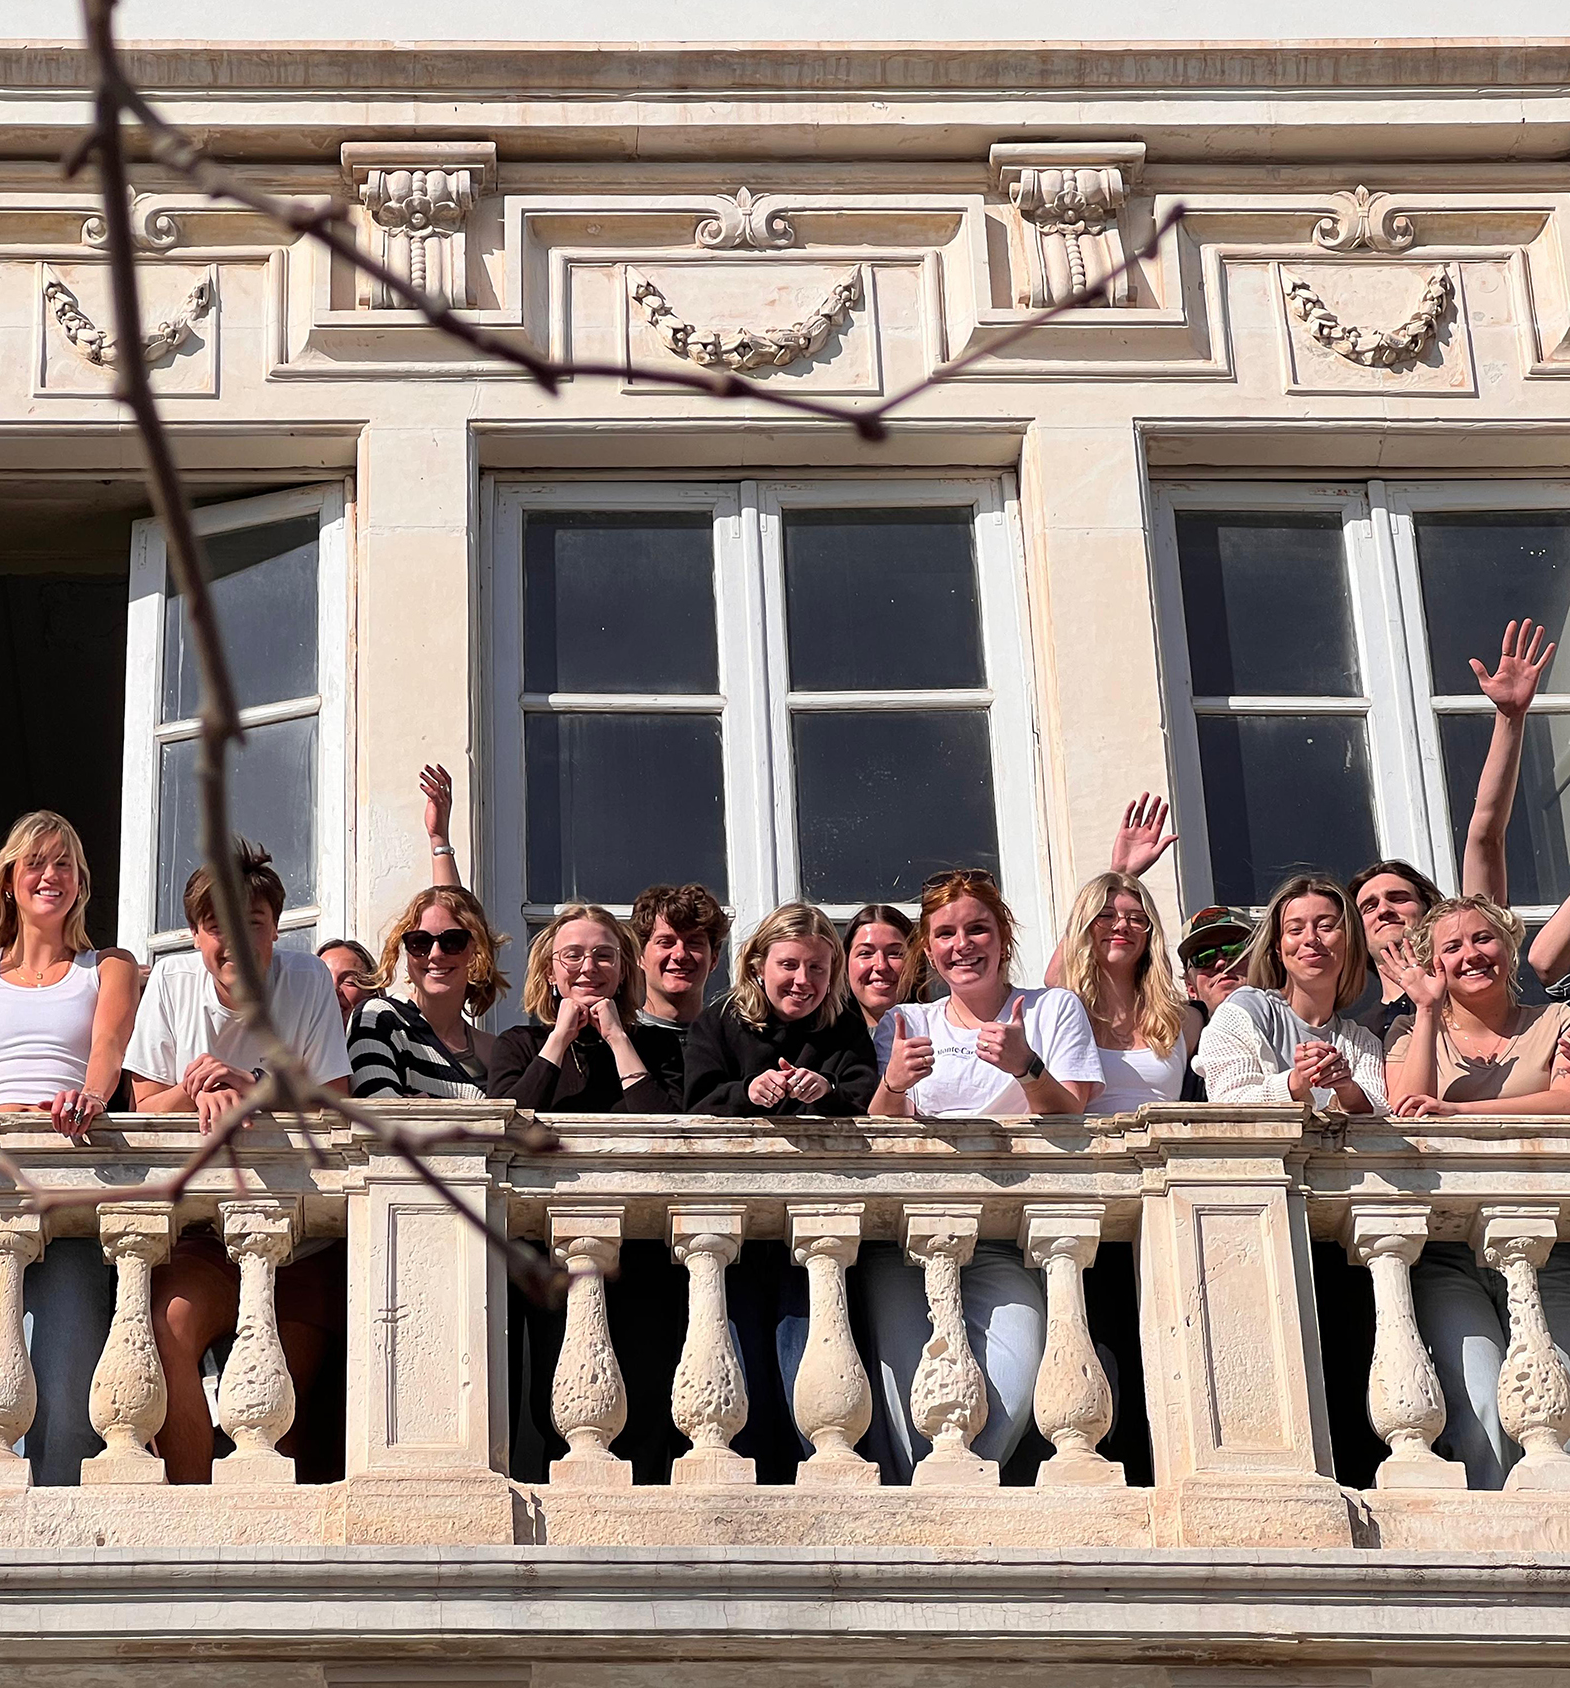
[986,1049]
[1115,961]
[587,1053]
[425,1045]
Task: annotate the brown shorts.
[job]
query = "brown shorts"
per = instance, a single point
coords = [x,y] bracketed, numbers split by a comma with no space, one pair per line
[313,1291]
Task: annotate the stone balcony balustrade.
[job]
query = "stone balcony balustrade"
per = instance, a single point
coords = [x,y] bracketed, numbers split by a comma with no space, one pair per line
[1227,1213]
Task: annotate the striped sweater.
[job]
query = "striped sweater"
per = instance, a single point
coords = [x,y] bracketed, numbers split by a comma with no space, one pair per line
[394,1052]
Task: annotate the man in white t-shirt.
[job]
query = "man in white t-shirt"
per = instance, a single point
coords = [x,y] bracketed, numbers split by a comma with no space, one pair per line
[190,1053]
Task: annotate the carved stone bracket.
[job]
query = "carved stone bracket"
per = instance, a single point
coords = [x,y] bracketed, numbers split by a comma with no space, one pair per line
[1070,199]
[744,348]
[1534,1386]
[128,1397]
[1373,348]
[152,229]
[745,221]
[1073,1398]
[97,346]
[948,1395]
[1406,1406]
[1366,220]
[21,1242]
[832,1400]
[588,1396]
[420,196]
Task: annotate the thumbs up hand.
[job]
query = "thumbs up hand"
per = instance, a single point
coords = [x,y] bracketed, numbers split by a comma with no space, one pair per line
[1002,1043]
[910,1060]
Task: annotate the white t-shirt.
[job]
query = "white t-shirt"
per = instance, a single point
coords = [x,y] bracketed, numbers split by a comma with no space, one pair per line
[181,1017]
[962,1085]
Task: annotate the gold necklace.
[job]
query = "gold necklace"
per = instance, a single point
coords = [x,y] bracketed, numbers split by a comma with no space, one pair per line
[37,972]
[1500,1041]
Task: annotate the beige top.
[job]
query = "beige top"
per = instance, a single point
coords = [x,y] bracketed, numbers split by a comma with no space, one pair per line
[1524,1064]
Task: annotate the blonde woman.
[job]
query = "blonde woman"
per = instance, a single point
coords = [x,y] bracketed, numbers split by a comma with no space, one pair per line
[587,1053]
[425,1044]
[1115,960]
[66,1012]
[786,1039]
[1284,1037]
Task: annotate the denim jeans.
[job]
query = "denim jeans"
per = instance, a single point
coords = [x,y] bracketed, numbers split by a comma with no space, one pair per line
[1006,1321]
[68,1298]
[1463,1318]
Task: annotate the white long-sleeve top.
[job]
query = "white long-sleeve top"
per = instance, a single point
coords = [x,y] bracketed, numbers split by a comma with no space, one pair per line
[1245,1052]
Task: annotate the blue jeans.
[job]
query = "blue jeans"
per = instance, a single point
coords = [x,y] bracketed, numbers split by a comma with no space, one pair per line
[68,1298]
[1463,1317]
[1006,1321]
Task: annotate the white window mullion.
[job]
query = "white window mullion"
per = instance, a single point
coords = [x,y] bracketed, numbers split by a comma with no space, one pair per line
[140,767]
[776,669]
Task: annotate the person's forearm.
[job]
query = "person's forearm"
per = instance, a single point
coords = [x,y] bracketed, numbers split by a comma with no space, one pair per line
[891,1104]
[171,1101]
[103,1067]
[1418,1074]
[1550,951]
[1353,1099]
[1539,1102]
[1483,863]
[444,864]
[1046,1096]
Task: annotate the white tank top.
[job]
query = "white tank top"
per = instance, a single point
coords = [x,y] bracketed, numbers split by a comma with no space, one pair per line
[46,1034]
[1134,1076]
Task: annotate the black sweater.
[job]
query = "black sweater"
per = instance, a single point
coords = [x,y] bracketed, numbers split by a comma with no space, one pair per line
[725,1054]
[587,1083]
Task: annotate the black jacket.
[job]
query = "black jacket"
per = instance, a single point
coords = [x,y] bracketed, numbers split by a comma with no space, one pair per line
[587,1083]
[725,1054]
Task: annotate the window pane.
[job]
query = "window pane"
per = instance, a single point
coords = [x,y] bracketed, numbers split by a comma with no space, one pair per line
[272,801]
[884,799]
[1284,794]
[264,595]
[1481,572]
[1536,853]
[619,603]
[301,939]
[881,600]
[1248,580]
[618,802]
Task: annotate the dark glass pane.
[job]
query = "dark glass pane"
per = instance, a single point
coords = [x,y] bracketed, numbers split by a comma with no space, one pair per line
[1284,794]
[881,600]
[301,939]
[1266,605]
[1536,853]
[264,594]
[617,802]
[884,799]
[619,602]
[272,801]
[1480,573]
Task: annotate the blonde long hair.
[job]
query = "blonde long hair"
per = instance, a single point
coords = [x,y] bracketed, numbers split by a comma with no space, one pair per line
[539,995]
[800,922]
[487,982]
[23,840]
[1158,1006]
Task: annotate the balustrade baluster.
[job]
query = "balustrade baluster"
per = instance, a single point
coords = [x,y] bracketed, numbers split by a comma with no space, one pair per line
[709,1395]
[1406,1405]
[1073,1398]
[127,1400]
[256,1394]
[948,1395]
[832,1400]
[1534,1386]
[21,1242]
[588,1396]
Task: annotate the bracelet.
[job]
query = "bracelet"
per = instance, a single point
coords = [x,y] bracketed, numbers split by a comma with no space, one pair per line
[92,1096]
[892,1091]
[443,850]
[631,1078]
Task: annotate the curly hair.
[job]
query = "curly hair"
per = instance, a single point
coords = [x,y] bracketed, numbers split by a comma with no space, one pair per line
[26,838]
[685,908]
[487,982]
[540,995]
[1159,1006]
[1265,970]
[800,922]
[1509,925]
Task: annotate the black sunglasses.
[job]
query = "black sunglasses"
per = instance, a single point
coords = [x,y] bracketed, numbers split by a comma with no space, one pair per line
[951,875]
[454,941]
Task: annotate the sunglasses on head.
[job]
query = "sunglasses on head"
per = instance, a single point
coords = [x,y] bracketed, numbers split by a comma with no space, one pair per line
[1217,953]
[454,941]
[957,875]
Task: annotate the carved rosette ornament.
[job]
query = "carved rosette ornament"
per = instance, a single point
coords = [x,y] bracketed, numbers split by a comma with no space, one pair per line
[127,1400]
[1363,220]
[588,1396]
[832,1401]
[744,348]
[256,1393]
[948,1395]
[709,1394]
[97,346]
[1534,1386]
[21,1242]
[1373,348]
[1073,1398]
[419,198]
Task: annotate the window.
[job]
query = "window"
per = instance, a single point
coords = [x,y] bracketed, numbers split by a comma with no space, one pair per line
[279,575]
[783,690]
[1315,642]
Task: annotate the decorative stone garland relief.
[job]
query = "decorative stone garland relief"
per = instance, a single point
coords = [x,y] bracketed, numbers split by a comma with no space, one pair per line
[1372,348]
[745,348]
[97,346]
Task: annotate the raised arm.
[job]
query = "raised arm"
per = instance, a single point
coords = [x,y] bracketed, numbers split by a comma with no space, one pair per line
[1510,688]
[1139,843]
[436,783]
